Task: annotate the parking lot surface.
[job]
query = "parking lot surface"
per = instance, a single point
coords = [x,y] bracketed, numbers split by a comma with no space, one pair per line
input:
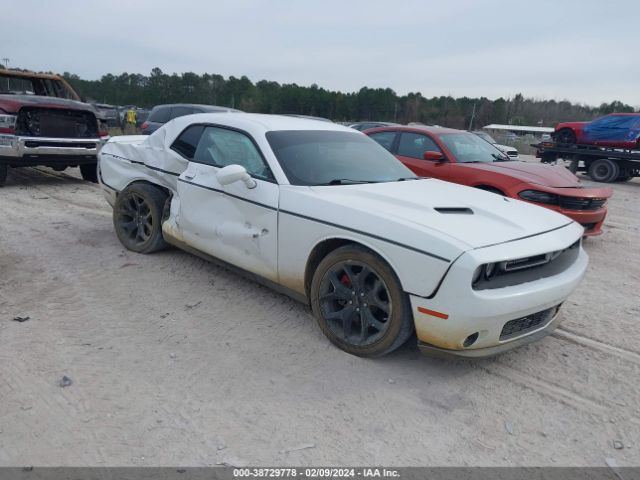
[175,361]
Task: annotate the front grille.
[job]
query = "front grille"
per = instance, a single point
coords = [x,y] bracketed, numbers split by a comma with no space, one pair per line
[37,144]
[512,153]
[528,269]
[520,326]
[576,203]
[56,123]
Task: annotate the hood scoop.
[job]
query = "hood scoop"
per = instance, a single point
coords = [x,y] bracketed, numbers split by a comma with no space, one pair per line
[454,210]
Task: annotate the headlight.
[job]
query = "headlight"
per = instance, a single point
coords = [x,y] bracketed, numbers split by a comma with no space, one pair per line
[8,121]
[538,197]
[484,272]
[489,270]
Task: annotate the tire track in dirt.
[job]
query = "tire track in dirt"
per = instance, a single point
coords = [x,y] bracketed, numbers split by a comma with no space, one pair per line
[590,343]
[33,178]
[544,387]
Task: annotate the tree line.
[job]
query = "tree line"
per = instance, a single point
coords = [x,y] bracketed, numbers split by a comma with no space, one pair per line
[382,104]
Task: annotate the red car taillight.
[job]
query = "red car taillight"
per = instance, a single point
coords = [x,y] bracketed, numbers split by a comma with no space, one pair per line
[145,125]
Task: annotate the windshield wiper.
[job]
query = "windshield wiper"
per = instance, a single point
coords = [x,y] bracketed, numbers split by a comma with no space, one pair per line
[500,158]
[346,181]
[403,179]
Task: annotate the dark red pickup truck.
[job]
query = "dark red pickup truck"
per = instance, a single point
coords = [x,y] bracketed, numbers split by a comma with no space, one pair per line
[43,122]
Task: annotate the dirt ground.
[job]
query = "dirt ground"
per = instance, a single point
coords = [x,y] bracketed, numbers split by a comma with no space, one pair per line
[175,361]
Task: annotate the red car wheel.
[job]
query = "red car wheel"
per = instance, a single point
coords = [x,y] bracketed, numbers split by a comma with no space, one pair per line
[566,136]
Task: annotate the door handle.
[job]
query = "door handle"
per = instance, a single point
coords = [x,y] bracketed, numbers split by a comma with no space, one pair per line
[189,176]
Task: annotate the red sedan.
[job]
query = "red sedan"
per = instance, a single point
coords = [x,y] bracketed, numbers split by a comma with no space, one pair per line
[462,157]
[617,130]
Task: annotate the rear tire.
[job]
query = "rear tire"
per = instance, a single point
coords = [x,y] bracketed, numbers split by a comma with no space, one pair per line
[4,170]
[604,170]
[137,217]
[359,303]
[625,175]
[89,172]
[566,136]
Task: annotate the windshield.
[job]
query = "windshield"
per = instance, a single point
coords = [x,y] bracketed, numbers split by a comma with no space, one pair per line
[485,136]
[469,148]
[45,87]
[325,157]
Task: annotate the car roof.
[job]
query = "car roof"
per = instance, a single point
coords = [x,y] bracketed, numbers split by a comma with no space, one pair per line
[259,122]
[416,129]
[27,74]
[198,105]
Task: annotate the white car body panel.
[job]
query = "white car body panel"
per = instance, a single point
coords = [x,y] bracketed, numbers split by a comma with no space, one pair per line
[511,151]
[271,230]
[242,233]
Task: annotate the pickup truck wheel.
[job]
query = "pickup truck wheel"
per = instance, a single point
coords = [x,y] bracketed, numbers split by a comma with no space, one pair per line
[89,173]
[566,136]
[137,218]
[625,175]
[604,170]
[359,303]
[4,169]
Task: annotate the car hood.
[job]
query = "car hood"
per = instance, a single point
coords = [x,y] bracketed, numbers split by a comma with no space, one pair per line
[555,176]
[457,218]
[13,103]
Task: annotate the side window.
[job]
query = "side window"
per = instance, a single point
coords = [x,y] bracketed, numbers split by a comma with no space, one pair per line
[220,147]
[161,115]
[187,143]
[181,111]
[384,138]
[415,144]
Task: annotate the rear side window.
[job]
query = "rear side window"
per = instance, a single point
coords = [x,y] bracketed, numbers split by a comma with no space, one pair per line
[187,143]
[414,145]
[181,111]
[384,138]
[160,115]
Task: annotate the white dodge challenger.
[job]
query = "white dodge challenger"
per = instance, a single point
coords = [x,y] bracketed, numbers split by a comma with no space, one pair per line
[323,213]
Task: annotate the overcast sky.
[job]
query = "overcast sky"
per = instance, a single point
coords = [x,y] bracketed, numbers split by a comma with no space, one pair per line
[583,50]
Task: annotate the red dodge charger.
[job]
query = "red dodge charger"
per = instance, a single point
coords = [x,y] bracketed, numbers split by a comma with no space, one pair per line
[462,157]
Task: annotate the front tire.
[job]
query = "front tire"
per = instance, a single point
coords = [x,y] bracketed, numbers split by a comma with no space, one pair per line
[137,218]
[359,303]
[566,136]
[89,173]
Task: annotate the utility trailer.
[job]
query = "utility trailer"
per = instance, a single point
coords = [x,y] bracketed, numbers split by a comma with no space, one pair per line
[601,164]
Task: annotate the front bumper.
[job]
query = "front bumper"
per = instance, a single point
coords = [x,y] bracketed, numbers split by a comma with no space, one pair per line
[591,220]
[26,151]
[433,351]
[458,312]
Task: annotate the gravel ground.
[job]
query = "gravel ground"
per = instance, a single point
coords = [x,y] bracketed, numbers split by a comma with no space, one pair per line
[175,361]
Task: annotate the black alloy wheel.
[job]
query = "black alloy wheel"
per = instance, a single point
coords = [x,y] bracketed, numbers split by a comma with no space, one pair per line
[137,218]
[355,302]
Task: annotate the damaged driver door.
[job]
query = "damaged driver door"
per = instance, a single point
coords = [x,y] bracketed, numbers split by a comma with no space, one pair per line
[230,213]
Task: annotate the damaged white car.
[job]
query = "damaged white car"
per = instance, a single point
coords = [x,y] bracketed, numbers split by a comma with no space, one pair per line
[324,214]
